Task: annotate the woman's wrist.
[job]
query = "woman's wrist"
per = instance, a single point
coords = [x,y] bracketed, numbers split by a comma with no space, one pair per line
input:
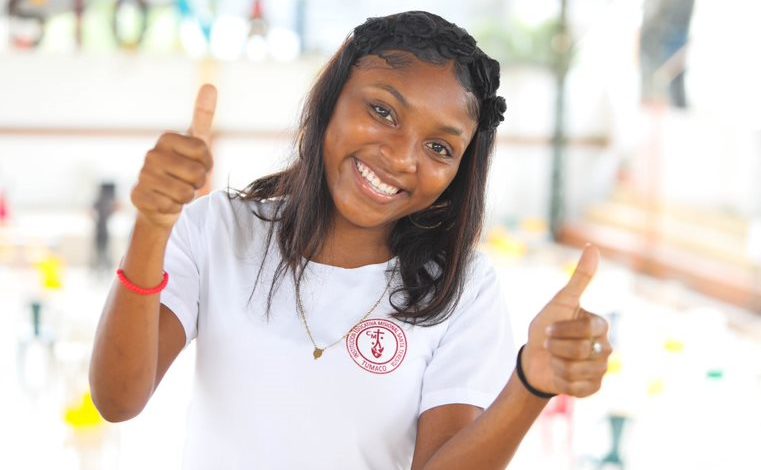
[521,372]
[144,228]
[143,262]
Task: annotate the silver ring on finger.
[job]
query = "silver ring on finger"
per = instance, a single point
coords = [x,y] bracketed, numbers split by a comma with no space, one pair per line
[597,349]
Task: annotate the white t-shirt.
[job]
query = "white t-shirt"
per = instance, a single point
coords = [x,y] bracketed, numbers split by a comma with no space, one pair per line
[262,401]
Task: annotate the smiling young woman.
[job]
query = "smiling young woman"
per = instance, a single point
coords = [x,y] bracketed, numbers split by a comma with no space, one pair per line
[391,148]
[342,316]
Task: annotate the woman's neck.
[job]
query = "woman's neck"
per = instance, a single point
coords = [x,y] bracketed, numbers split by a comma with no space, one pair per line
[349,246]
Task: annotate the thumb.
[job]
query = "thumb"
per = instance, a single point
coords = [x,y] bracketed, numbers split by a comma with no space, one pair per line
[585,271]
[203,112]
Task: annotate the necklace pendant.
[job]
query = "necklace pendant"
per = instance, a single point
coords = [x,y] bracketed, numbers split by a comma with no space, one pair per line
[317,352]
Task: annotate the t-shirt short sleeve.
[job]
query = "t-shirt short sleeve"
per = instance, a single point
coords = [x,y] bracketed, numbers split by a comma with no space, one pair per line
[476,354]
[181,262]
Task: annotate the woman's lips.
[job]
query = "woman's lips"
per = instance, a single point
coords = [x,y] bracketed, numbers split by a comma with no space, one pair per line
[371,190]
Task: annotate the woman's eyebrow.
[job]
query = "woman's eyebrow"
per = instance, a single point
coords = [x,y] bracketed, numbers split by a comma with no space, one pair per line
[385,86]
[400,97]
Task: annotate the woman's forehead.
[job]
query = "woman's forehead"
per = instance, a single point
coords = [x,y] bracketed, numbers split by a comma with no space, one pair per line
[400,62]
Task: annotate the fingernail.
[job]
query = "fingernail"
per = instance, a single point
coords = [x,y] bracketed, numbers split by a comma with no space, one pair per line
[546,344]
[548,330]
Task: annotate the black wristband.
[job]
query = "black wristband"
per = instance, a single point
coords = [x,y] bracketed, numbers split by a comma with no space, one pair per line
[522,376]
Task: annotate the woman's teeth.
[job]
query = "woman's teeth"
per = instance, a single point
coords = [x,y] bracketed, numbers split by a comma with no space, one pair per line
[374,181]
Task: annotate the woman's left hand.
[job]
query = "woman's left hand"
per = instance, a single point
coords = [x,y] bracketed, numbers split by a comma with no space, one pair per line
[568,348]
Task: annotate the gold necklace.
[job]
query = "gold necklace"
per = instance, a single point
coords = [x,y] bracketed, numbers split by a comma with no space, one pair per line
[317,350]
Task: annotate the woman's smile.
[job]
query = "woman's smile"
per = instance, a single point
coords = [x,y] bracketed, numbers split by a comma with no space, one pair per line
[374,186]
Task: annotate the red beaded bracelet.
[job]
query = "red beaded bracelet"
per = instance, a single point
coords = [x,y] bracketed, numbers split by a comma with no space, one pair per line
[139,290]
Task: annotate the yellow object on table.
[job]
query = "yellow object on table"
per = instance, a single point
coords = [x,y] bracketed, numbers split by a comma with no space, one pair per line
[84,415]
[51,272]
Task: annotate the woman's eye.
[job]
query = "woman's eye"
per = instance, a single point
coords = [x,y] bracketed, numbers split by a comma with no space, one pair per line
[440,149]
[383,113]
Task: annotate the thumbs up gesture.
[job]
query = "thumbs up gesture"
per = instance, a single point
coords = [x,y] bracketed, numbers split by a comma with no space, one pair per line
[568,348]
[176,167]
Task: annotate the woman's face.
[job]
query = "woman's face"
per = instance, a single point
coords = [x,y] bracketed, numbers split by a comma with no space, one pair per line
[395,140]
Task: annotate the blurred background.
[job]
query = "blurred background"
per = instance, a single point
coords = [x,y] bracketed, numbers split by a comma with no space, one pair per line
[631,124]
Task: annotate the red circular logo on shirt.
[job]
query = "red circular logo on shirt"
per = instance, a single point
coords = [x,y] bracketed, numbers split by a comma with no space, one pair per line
[377,345]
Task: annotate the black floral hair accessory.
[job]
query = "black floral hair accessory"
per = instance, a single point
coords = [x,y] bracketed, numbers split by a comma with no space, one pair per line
[492,112]
[420,32]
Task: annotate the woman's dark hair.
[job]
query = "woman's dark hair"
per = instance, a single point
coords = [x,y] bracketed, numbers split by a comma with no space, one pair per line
[433,246]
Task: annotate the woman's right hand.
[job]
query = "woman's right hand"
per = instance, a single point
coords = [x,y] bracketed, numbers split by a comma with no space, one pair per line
[137,337]
[176,167]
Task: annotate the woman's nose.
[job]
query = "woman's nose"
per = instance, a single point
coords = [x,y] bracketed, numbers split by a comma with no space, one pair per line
[400,154]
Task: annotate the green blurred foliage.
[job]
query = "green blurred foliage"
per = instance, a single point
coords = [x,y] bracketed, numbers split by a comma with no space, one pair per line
[516,43]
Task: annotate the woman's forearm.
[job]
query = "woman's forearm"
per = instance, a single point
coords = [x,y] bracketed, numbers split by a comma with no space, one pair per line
[490,441]
[124,357]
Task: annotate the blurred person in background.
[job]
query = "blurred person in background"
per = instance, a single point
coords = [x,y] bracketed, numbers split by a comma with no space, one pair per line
[341,314]
[103,208]
[663,40]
